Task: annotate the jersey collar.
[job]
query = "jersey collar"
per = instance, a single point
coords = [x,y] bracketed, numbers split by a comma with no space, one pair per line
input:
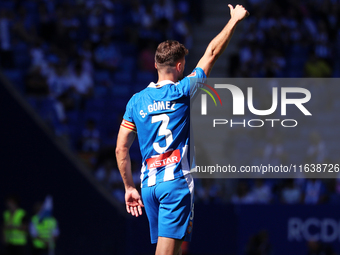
[160,84]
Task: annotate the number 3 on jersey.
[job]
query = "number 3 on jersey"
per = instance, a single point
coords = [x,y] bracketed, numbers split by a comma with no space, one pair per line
[163,131]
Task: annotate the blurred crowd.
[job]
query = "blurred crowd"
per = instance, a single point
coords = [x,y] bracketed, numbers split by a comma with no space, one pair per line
[79,61]
[289,39]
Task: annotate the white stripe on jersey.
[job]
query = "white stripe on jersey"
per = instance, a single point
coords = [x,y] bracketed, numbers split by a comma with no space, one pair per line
[169,172]
[152,177]
[142,174]
[185,162]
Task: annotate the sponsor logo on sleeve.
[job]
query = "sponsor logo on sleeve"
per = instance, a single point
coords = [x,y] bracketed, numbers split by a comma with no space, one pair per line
[192,74]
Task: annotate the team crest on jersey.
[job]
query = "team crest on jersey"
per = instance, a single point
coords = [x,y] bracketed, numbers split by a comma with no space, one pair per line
[189,228]
[192,74]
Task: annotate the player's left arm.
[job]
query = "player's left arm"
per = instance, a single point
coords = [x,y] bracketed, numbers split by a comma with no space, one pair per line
[133,200]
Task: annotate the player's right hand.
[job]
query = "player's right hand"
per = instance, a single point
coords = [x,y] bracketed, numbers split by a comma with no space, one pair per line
[238,13]
[133,202]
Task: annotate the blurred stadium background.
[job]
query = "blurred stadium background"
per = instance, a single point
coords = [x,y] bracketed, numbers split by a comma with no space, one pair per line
[68,68]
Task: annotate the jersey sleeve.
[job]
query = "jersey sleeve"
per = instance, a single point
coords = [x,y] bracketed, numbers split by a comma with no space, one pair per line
[190,84]
[128,121]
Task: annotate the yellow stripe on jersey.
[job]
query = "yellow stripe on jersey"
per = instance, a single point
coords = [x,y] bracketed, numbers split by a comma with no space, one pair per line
[129,125]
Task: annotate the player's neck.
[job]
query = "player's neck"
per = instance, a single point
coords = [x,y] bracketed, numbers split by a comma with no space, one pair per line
[167,77]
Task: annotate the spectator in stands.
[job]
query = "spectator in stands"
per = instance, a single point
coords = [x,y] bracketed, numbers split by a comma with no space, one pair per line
[86,57]
[290,193]
[90,137]
[317,68]
[59,88]
[137,12]
[82,84]
[70,22]
[215,191]
[163,9]
[182,30]
[38,55]
[201,191]
[147,58]
[322,48]
[110,177]
[24,26]
[106,55]
[47,24]
[316,152]
[261,192]
[334,191]
[94,21]
[35,83]
[109,21]
[107,173]
[275,64]
[243,196]
[58,81]
[273,152]
[314,192]
[6,52]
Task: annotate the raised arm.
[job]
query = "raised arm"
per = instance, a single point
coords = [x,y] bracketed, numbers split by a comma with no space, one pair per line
[132,198]
[220,42]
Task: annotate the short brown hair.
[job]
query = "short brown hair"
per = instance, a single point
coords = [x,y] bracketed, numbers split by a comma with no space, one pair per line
[169,52]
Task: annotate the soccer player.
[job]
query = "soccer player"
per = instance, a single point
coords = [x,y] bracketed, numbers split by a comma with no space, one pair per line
[160,116]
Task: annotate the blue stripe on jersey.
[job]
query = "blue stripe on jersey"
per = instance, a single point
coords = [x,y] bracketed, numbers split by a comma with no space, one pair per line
[161,113]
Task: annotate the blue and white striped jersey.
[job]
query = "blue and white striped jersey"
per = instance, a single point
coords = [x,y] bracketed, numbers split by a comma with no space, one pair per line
[161,116]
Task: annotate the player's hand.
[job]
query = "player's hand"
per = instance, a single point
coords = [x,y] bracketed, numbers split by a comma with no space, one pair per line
[238,13]
[133,202]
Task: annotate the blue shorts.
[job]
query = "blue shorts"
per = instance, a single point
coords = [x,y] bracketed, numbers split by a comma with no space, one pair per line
[170,209]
